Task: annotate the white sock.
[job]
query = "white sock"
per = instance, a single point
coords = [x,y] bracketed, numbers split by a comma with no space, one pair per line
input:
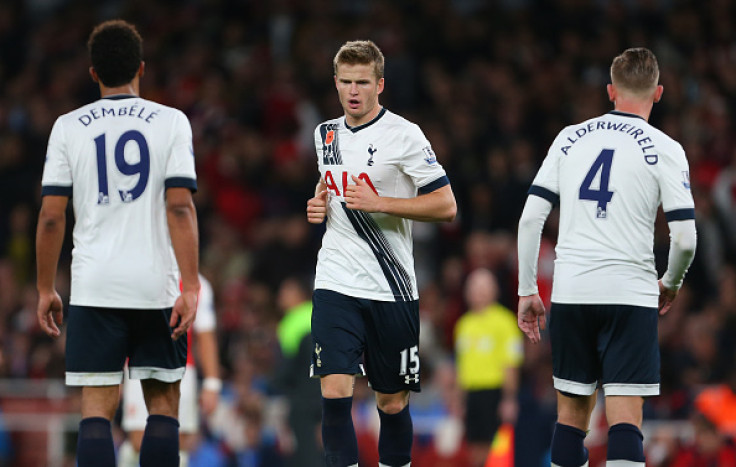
[127,456]
[624,463]
[183,459]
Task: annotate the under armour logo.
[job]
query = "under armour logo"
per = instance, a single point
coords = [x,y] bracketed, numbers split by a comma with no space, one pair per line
[371,151]
[411,379]
[317,351]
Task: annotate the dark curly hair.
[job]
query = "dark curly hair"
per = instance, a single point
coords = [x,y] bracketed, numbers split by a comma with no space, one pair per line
[116,51]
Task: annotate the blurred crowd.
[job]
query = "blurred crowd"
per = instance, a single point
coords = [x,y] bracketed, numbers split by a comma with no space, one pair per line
[489,82]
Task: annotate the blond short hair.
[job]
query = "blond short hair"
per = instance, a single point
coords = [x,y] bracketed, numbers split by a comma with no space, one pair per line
[636,70]
[360,53]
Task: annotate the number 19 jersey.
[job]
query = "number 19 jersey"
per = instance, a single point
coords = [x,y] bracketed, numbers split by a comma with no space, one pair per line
[610,174]
[115,158]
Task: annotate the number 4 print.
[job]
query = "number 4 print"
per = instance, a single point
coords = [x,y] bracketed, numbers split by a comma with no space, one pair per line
[602,195]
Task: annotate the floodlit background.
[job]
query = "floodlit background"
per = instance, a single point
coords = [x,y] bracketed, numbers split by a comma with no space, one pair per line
[490,83]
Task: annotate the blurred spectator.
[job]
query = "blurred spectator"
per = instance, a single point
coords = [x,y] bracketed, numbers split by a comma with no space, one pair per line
[709,448]
[718,404]
[292,375]
[488,350]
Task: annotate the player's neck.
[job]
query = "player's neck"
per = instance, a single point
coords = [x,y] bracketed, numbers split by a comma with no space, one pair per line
[353,122]
[129,88]
[640,109]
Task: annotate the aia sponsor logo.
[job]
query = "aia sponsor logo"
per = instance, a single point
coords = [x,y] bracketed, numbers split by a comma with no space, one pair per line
[332,180]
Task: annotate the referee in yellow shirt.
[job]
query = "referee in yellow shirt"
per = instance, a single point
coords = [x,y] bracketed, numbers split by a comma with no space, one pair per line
[488,352]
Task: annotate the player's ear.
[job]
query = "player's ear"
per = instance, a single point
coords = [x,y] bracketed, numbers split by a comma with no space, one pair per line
[658,93]
[141,69]
[611,89]
[93,74]
[380,85]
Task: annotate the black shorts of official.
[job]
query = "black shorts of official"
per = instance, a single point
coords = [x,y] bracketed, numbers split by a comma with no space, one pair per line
[481,415]
[100,339]
[615,346]
[384,334]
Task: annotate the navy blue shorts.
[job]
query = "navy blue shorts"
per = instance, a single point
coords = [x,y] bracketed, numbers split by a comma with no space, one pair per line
[385,334]
[100,339]
[614,345]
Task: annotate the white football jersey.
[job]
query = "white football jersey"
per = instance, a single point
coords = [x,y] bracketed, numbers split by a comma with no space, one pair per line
[610,174]
[205,320]
[369,255]
[115,158]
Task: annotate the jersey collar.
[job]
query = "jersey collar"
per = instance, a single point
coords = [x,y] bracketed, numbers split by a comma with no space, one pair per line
[625,114]
[117,97]
[355,129]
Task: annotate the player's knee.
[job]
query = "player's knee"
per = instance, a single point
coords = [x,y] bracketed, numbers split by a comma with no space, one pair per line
[574,410]
[392,403]
[336,386]
[392,407]
[336,392]
[100,401]
[624,409]
[161,398]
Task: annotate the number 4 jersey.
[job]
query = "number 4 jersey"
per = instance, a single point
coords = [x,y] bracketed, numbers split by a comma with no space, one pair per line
[115,158]
[609,175]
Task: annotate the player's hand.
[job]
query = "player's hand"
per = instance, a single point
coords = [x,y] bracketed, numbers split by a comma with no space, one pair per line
[666,297]
[531,317]
[50,312]
[361,196]
[317,208]
[208,400]
[183,314]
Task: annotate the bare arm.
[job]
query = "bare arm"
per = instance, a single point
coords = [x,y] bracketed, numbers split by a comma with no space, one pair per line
[182,220]
[49,239]
[209,363]
[436,206]
[509,407]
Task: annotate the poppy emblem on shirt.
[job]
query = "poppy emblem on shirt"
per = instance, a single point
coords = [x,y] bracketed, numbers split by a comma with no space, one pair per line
[330,151]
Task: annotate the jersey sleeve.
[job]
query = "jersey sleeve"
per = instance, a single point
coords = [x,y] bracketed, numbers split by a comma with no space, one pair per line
[57,173]
[205,320]
[420,163]
[318,147]
[547,182]
[180,171]
[674,186]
